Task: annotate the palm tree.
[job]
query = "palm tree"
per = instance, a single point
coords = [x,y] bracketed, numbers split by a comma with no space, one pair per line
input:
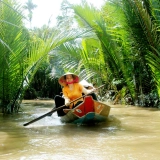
[22,53]
[127,42]
[30,6]
[142,24]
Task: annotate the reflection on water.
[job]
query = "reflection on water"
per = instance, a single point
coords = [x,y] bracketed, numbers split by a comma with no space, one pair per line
[129,133]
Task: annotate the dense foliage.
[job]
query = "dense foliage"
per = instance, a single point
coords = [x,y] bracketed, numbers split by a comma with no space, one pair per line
[118,45]
[122,51]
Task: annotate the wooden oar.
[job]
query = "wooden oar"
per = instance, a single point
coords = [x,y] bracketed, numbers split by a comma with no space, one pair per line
[56,109]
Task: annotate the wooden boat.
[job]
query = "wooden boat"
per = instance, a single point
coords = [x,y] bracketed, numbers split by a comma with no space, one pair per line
[89,111]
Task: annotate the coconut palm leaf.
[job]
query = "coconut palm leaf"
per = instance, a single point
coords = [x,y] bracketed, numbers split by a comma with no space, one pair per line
[154,63]
[110,50]
[11,34]
[23,53]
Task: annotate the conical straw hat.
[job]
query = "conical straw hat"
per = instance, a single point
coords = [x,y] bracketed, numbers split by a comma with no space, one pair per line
[62,79]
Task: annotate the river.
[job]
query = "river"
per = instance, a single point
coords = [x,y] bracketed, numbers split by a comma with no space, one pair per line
[130,133]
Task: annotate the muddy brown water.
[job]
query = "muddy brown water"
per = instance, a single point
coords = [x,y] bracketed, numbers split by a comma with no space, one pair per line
[130,133]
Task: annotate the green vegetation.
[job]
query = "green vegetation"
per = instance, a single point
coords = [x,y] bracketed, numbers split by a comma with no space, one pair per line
[118,45]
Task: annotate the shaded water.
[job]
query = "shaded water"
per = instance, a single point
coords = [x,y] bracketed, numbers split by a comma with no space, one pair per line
[130,133]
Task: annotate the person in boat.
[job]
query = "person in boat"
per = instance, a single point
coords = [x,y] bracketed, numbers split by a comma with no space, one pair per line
[88,86]
[71,90]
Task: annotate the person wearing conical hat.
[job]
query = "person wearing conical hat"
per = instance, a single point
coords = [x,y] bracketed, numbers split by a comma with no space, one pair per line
[88,86]
[72,90]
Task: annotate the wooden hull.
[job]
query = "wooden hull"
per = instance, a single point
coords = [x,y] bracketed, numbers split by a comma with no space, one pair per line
[90,111]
